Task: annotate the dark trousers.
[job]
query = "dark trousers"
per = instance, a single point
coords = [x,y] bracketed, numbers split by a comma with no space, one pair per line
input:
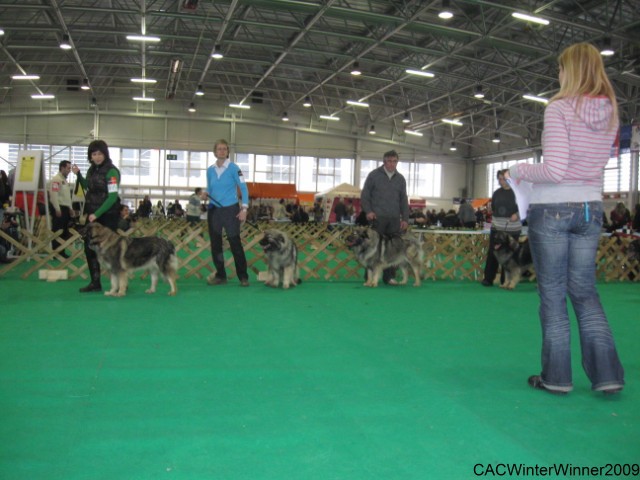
[109,221]
[60,223]
[491,265]
[225,218]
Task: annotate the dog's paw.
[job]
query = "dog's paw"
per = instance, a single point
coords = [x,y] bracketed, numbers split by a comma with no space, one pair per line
[150,291]
[172,294]
[110,294]
[416,284]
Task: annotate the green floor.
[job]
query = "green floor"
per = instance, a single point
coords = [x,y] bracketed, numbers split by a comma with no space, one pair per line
[326,381]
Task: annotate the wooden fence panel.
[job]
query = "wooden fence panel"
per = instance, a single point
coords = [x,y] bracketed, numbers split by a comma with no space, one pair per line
[323,254]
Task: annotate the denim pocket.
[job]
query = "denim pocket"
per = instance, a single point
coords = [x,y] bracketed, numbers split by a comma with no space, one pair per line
[557,220]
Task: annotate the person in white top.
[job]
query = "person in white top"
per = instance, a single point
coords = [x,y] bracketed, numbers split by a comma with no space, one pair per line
[60,204]
[565,221]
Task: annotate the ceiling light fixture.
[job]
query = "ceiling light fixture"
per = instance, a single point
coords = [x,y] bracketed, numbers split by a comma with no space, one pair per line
[372,130]
[85,84]
[535,98]
[143,80]
[496,138]
[217,52]
[453,147]
[144,99]
[420,73]
[285,117]
[330,117]
[413,132]
[93,103]
[143,38]
[240,105]
[530,18]
[452,122]
[65,44]
[357,104]
[356,69]
[606,51]
[26,77]
[192,107]
[307,102]
[1,31]
[445,11]
[43,96]
[479,93]
[199,91]
[406,118]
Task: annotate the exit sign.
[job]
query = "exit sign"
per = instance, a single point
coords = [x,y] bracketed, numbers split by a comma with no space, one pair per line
[172,156]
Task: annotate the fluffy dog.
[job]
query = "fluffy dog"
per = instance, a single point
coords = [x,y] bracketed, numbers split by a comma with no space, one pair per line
[122,255]
[513,256]
[376,253]
[282,258]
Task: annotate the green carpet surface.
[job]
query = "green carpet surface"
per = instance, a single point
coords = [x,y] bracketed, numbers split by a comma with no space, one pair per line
[330,380]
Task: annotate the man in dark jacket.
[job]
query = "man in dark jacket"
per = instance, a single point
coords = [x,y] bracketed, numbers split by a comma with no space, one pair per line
[384,198]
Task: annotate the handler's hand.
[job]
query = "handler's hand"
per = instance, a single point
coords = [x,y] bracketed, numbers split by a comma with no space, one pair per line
[92,218]
[242,216]
[404,225]
[371,216]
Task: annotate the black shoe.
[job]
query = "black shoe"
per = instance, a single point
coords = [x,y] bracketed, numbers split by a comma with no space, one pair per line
[535,381]
[487,283]
[612,391]
[213,280]
[92,287]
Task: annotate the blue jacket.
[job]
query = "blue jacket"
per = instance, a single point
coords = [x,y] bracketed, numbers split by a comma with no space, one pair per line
[223,191]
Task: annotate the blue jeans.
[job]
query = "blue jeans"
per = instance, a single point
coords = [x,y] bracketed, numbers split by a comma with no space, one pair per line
[564,241]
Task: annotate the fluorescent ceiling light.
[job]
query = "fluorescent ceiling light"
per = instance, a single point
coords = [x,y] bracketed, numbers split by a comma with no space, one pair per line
[372,130]
[420,73]
[85,84]
[496,138]
[26,77]
[452,122]
[406,118]
[330,117]
[240,105]
[43,96]
[607,51]
[143,80]
[1,31]
[479,93]
[413,132]
[356,69]
[530,18]
[199,91]
[357,104]
[144,99]
[217,52]
[142,38]
[307,102]
[535,98]
[453,147]
[192,107]
[285,117]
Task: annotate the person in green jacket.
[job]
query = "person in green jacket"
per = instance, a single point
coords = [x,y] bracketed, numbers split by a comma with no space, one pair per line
[102,203]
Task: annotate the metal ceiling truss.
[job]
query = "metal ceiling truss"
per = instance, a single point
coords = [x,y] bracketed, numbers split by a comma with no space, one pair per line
[285,51]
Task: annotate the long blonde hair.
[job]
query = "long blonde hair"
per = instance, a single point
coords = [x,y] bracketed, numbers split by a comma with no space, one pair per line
[584,75]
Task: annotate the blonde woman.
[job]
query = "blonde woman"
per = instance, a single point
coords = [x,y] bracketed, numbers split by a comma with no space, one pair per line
[565,220]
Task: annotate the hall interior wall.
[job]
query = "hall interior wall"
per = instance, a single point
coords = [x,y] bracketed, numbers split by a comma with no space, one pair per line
[167,131]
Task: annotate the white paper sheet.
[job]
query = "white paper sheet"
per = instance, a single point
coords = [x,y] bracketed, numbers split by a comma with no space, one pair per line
[522,192]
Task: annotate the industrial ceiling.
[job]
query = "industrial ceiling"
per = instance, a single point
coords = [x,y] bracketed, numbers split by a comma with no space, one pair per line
[277,53]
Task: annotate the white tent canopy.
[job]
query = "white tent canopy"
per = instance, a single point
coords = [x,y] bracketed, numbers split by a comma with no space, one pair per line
[342,190]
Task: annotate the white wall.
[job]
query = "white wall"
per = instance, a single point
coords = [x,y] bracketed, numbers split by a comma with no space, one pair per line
[256,133]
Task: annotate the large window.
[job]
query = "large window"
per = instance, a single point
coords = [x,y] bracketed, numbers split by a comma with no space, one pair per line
[617,174]
[423,179]
[315,174]
[494,168]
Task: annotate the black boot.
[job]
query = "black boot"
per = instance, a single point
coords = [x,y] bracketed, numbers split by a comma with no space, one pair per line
[94,270]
